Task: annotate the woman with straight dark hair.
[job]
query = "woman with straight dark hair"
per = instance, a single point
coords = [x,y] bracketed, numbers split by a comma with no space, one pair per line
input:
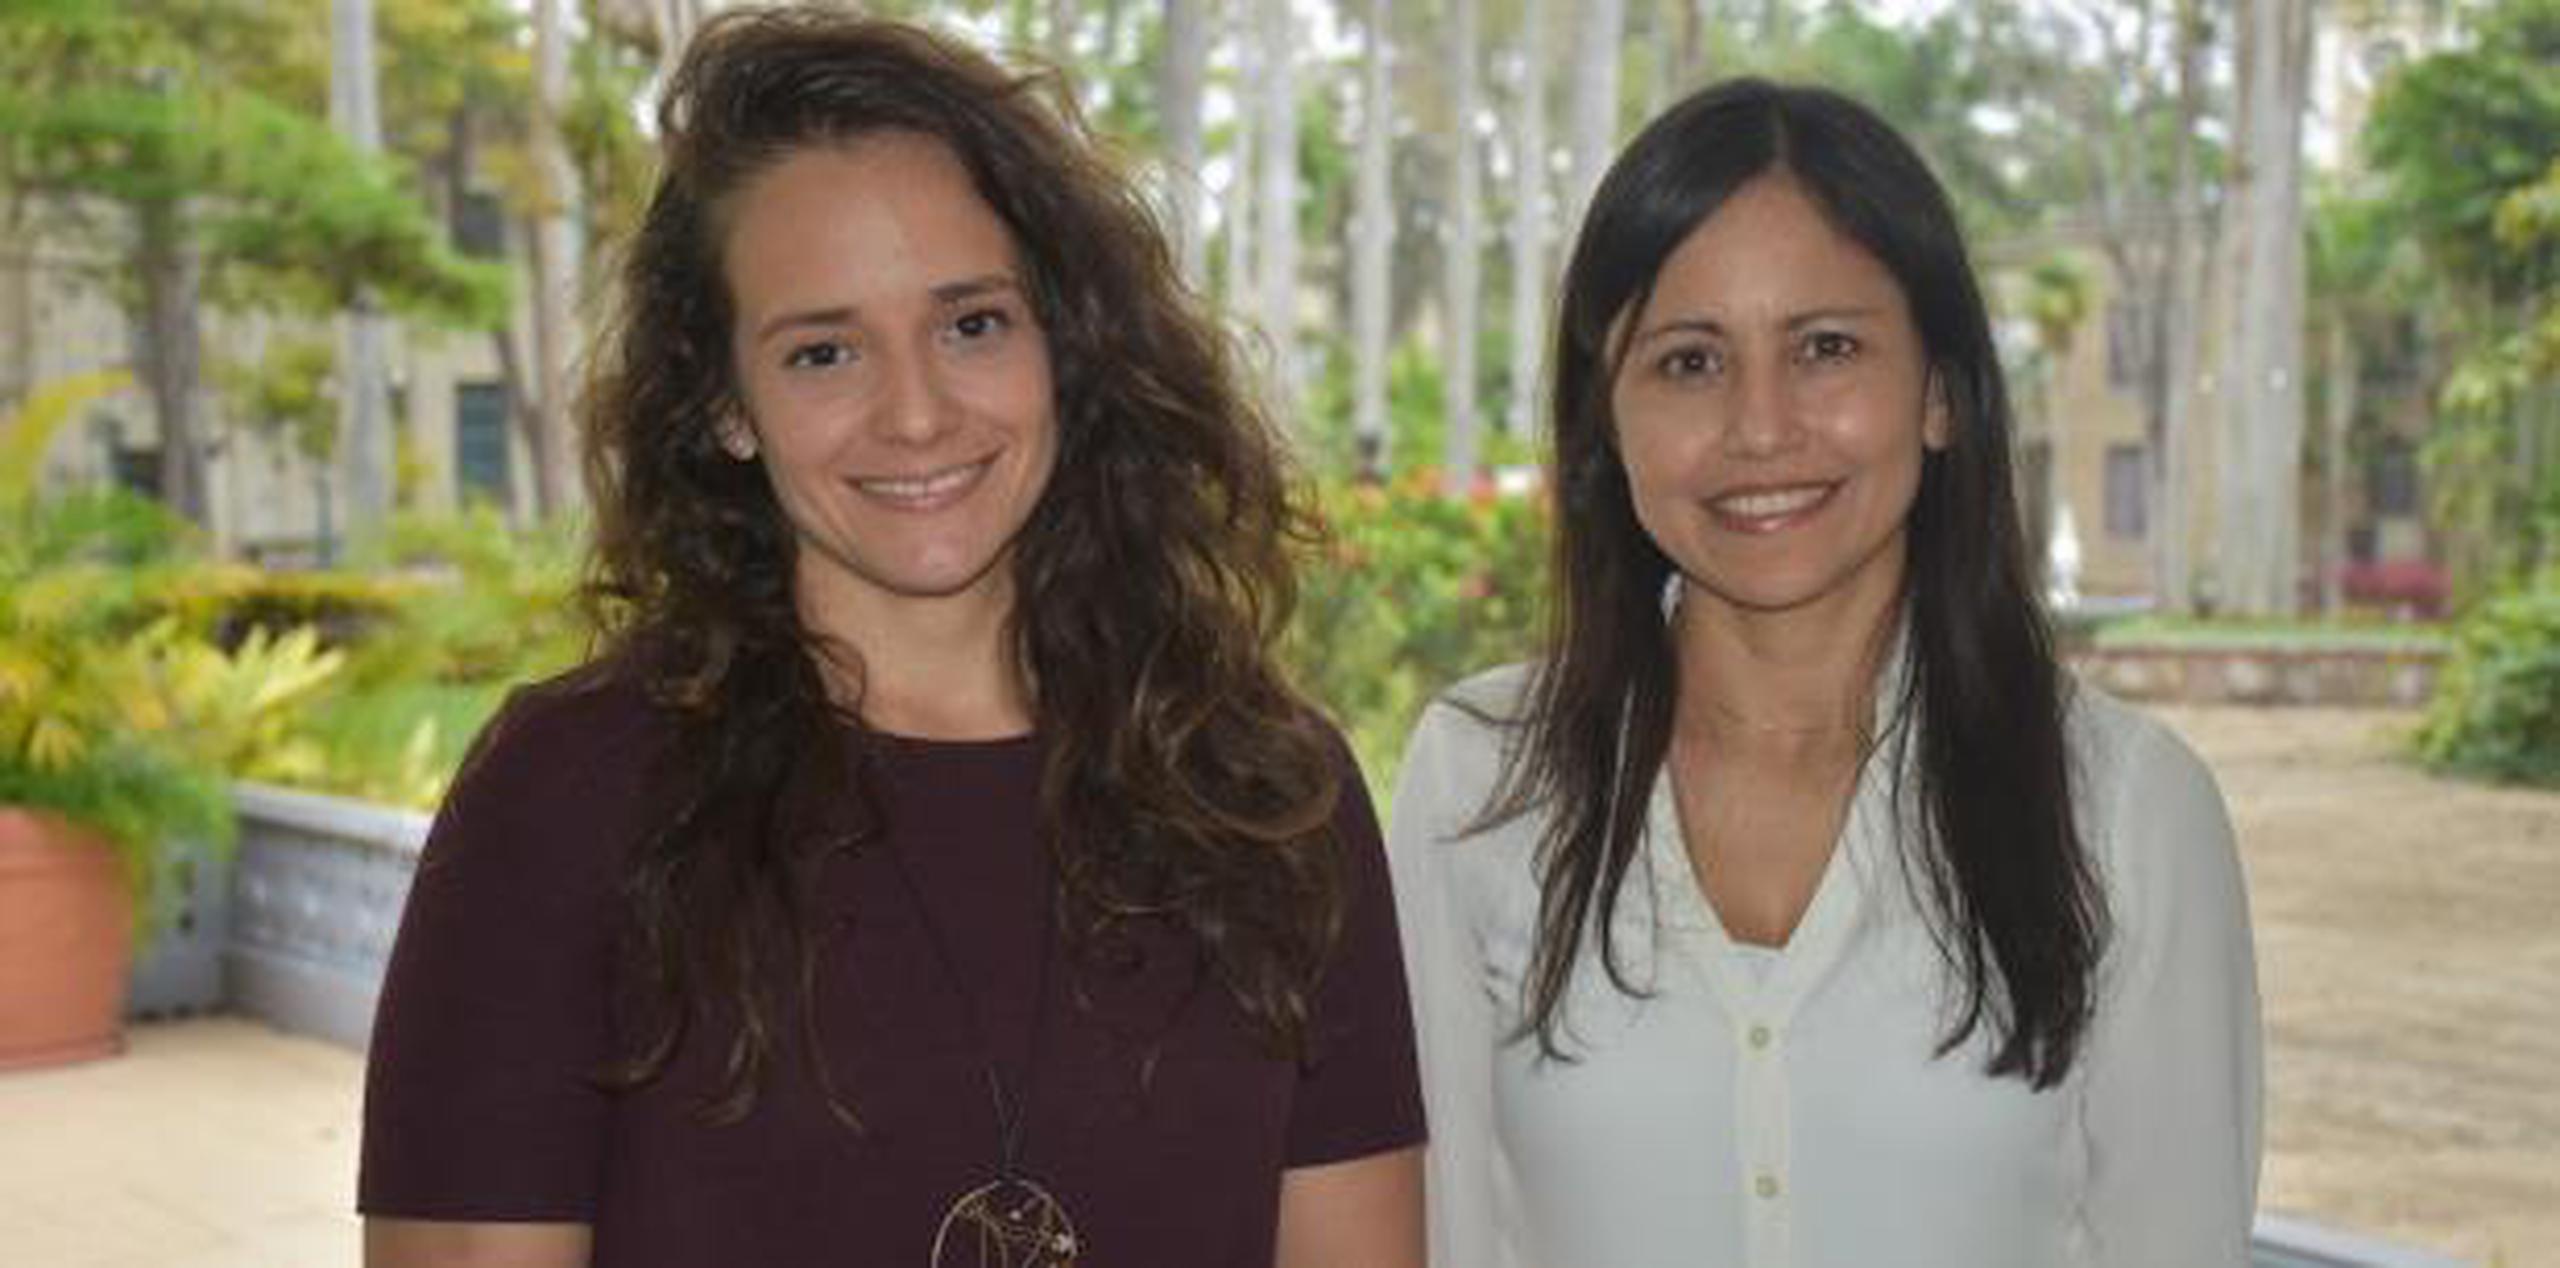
[934,868]
[1796,908]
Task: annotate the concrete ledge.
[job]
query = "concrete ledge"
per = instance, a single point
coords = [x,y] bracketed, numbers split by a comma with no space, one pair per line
[2254,674]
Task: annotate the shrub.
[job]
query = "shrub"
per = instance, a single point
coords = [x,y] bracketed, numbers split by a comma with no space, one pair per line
[2496,711]
[1413,592]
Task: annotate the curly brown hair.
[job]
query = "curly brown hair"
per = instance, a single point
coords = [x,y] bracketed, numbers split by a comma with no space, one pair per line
[1184,777]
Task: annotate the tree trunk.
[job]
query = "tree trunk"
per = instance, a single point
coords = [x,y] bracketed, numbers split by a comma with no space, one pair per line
[673,22]
[2343,384]
[1600,33]
[1462,281]
[1692,64]
[19,264]
[1529,223]
[365,456]
[1373,226]
[1279,198]
[1179,82]
[2266,397]
[2176,340]
[1241,209]
[1060,42]
[172,354]
[555,264]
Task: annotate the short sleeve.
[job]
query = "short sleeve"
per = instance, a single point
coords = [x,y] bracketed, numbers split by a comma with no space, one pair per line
[1358,1094]
[2173,1080]
[480,1094]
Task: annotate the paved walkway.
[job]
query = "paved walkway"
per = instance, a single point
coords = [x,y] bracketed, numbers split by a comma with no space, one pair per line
[208,1144]
[2409,943]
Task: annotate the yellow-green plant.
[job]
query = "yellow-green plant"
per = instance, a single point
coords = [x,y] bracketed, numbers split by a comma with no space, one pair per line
[114,713]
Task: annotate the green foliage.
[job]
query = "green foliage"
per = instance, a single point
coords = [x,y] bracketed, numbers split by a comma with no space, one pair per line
[1414,592]
[2467,142]
[176,110]
[30,433]
[2497,708]
[474,609]
[2453,133]
[289,392]
[113,712]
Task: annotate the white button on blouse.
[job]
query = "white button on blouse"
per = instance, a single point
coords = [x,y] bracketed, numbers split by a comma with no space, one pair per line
[1781,1107]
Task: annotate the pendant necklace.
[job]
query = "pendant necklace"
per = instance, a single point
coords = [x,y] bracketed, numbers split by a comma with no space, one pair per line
[1012,1220]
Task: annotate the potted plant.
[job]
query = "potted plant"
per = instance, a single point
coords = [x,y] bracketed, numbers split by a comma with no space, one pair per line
[119,730]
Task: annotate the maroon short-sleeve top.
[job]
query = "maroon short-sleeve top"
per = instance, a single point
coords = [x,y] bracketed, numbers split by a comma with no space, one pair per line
[1155,1112]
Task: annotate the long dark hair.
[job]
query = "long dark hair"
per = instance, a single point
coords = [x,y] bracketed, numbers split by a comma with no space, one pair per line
[1183,777]
[2010,891]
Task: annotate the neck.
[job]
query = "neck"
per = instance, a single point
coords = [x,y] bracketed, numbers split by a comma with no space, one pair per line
[1791,683]
[939,668]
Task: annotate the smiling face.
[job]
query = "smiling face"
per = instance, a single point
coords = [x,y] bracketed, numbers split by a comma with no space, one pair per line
[1773,410]
[892,375]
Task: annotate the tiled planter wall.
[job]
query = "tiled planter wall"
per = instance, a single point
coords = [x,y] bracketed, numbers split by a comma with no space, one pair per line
[297,930]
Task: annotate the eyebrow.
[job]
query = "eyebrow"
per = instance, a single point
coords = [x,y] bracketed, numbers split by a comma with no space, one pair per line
[946,294]
[1797,321]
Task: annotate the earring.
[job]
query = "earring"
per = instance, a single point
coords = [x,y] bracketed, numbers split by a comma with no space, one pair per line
[1671,587]
[735,439]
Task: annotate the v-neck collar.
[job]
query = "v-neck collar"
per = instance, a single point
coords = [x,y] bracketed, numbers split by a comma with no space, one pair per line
[1858,858]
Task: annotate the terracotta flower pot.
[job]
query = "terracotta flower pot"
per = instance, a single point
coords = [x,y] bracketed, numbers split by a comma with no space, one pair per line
[66,942]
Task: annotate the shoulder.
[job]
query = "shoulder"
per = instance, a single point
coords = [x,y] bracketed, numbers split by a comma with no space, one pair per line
[593,722]
[2152,813]
[1475,719]
[2128,760]
[559,779]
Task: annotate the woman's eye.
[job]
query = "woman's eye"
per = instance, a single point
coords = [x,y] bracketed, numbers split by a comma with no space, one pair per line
[1829,345]
[1688,363]
[982,323]
[821,355]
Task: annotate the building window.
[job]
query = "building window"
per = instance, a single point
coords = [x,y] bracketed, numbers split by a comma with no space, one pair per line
[479,225]
[2126,337]
[480,442]
[2391,482]
[2128,492]
[2035,493]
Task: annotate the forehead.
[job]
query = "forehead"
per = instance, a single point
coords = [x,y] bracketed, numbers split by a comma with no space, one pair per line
[1771,243]
[885,211]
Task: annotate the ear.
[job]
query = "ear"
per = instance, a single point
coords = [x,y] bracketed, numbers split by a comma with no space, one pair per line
[1937,417]
[736,436]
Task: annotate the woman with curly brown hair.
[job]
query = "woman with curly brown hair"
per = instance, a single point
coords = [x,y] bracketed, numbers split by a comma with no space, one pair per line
[933,868]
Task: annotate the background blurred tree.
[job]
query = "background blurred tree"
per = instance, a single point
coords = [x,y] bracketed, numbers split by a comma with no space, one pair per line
[2466,142]
[157,128]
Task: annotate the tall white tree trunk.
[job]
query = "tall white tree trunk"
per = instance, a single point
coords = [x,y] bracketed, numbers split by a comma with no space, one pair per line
[364,411]
[1600,31]
[555,264]
[171,355]
[1059,39]
[1238,216]
[2343,375]
[1279,197]
[1180,78]
[2262,548]
[673,22]
[1529,221]
[1462,279]
[2171,402]
[1373,229]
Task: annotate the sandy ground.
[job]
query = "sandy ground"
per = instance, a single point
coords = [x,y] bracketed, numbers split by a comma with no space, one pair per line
[2409,958]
